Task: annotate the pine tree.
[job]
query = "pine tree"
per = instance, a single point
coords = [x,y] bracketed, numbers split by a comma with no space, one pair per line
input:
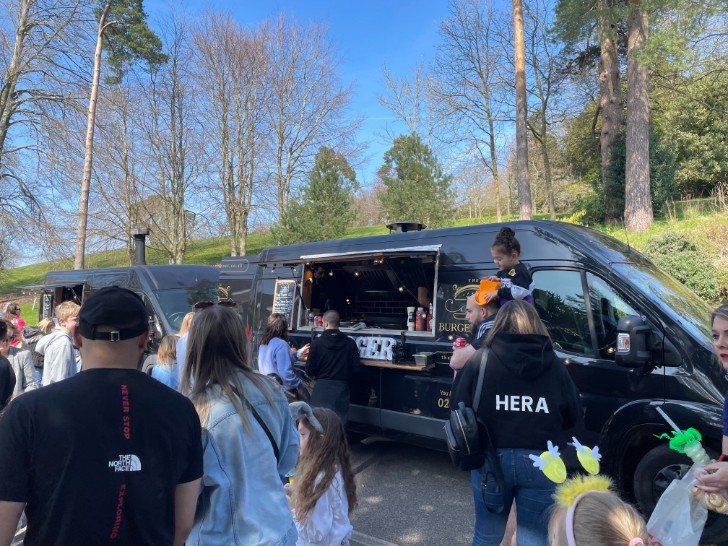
[324,210]
[416,188]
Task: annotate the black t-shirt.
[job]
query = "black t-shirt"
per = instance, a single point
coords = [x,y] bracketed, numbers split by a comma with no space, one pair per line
[97,458]
[7,382]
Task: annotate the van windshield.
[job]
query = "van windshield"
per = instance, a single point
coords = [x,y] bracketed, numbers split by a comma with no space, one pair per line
[681,303]
[177,302]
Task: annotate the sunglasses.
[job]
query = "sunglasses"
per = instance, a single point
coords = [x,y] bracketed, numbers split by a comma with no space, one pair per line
[205,304]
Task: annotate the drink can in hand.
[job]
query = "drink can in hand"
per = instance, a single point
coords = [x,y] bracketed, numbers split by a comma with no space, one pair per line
[459,343]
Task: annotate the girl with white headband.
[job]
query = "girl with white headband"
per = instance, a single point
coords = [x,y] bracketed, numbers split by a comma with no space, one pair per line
[589,513]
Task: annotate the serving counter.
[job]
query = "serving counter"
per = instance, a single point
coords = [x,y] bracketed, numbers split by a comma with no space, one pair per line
[404,366]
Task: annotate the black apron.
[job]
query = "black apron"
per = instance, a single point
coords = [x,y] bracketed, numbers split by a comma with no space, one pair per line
[332,394]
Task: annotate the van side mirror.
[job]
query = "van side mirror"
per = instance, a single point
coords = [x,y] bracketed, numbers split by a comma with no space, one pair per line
[639,346]
[633,342]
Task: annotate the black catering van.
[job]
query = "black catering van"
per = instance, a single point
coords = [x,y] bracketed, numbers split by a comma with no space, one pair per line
[589,289]
[169,291]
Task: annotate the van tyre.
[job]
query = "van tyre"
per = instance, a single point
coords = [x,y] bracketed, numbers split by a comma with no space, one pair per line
[655,472]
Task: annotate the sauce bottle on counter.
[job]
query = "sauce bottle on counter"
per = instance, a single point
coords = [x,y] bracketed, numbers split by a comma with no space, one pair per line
[410,318]
[428,320]
[420,320]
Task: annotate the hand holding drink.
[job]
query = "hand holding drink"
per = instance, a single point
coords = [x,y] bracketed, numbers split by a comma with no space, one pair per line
[459,343]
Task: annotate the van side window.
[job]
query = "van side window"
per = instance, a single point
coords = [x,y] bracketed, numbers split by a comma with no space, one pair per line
[559,300]
[607,309]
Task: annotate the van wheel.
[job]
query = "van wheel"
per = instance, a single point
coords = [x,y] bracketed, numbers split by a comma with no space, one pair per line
[655,472]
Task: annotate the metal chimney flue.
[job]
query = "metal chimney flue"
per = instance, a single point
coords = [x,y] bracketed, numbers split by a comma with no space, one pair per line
[140,237]
[404,227]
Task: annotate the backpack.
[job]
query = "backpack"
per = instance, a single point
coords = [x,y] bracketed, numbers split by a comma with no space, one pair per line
[467,438]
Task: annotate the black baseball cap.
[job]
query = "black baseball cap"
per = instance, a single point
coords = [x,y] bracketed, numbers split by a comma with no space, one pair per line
[113,307]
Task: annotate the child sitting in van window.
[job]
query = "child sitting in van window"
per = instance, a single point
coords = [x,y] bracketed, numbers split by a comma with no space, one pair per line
[589,513]
[514,276]
[323,494]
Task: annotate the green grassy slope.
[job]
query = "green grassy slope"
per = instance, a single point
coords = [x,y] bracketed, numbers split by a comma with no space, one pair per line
[701,228]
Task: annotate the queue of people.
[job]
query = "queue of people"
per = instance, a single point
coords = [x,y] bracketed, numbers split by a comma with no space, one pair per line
[208,451]
[112,455]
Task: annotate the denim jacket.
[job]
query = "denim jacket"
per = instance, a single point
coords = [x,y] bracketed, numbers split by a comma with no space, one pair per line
[242,501]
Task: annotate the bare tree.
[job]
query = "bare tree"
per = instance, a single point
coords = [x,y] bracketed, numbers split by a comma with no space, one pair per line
[132,39]
[469,86]
[542,63]
[232,68]
[306,108]
[118,165]
[410,100]
[174,150]
[40,43]
[638,202]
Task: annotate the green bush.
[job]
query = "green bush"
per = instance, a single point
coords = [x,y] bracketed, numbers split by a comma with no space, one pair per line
[684,260]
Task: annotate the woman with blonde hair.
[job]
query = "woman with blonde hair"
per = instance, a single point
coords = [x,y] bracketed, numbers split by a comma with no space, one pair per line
[249,438]
[714,477]
[32,335]
[527,400]
[165,369]
[186,321]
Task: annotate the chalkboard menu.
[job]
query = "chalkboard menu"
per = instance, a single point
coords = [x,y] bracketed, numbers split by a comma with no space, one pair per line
[284,299]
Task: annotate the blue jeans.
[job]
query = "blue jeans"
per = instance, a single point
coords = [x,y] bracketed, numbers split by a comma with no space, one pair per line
[532,492]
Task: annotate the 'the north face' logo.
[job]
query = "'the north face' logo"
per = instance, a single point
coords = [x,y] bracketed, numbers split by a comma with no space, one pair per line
[126,463]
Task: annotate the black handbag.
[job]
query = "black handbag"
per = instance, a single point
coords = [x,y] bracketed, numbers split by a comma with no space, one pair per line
[467,439]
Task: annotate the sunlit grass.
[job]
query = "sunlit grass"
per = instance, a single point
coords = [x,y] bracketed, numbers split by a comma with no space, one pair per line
[705,229]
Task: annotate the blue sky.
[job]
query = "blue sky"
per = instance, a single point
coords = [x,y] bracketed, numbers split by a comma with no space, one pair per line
[368,35]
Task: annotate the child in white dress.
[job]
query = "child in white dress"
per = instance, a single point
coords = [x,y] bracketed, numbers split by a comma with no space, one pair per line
[323,493]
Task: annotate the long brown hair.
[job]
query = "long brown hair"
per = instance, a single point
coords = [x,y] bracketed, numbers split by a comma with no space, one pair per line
[217,354]
[326,453]
[517,317]
[277,326]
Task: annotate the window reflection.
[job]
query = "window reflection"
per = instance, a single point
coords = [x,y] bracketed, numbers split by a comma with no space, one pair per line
[559,300]
[607,309]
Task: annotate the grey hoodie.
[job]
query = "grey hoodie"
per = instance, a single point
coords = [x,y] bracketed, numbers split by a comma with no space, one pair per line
[59,357]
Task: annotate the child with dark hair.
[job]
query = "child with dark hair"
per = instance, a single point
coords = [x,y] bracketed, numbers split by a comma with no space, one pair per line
[514,276]
[323,494]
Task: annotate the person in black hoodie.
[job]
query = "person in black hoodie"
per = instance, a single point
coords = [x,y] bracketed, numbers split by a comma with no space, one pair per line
[332,361]
[527,399]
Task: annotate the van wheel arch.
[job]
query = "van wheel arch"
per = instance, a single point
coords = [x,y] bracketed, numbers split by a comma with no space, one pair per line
[655,472]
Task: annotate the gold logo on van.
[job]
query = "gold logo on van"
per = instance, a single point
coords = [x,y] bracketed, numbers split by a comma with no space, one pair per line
[455,305]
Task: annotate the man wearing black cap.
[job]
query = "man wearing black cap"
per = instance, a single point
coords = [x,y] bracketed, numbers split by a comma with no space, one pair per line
[108,456]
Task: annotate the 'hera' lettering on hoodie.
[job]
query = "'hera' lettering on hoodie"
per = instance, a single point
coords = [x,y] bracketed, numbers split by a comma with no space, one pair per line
[521,403]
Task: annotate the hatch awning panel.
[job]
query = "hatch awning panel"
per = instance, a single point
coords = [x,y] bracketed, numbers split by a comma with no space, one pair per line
[413,251]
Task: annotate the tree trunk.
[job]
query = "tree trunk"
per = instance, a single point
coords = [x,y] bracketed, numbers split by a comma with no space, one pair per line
[525,207]
[610,104]
[494,165]
[88,158]
[638,204]
[547,166]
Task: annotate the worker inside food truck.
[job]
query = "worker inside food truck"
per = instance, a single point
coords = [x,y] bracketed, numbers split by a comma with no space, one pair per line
[371,293]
